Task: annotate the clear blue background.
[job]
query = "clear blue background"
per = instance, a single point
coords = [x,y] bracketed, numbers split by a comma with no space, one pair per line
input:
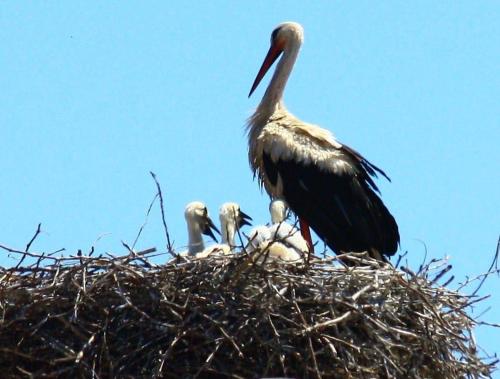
[94,95]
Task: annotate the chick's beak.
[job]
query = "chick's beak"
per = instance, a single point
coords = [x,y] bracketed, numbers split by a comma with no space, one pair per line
[209,227]
[244,219]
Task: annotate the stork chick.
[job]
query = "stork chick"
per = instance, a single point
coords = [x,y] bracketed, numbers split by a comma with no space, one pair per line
[198,223]
[279,241]
[232,218]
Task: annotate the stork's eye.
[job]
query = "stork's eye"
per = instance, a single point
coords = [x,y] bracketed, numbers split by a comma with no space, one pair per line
[274,34]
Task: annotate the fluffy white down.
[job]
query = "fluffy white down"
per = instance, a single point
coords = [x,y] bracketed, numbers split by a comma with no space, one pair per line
[280,241]
[229,213]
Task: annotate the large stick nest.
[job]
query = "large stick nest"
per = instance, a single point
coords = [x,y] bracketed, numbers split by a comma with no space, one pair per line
[107,317]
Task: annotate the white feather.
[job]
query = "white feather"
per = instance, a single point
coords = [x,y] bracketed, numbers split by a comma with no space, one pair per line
[278,242]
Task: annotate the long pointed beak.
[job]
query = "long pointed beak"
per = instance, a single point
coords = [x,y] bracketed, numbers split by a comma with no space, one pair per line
[274,52]
[208,229]
[244,219]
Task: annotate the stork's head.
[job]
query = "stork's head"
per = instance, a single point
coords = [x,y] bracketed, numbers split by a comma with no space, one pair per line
[287,33]
[197,217]
[278,210]
[232,218]
[285,36]
[230,213]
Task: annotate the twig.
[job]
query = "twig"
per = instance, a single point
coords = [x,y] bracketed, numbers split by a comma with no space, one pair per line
[25,253]
[169,245]
[145,220]
[34,237]
[494,263]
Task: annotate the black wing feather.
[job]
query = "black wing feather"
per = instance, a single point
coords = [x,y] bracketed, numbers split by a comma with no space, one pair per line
[343,209]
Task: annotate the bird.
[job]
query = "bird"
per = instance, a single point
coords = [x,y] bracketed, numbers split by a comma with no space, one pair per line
[232,218]
[198,223]
[328,185]
[280,240]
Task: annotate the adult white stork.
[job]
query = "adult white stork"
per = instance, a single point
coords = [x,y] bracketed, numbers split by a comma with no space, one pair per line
[280,240]
[327,184]
[198,223]
[232,218]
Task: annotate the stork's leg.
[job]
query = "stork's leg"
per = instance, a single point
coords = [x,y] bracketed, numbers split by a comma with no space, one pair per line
[306,234]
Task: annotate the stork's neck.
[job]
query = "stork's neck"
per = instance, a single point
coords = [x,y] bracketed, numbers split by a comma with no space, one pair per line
[195,239]
[278,212]
[228,232]
[273,97]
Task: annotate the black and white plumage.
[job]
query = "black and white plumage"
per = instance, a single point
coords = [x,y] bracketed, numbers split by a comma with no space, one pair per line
[325,183]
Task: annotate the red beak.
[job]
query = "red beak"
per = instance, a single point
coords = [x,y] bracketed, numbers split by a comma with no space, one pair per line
[274,52]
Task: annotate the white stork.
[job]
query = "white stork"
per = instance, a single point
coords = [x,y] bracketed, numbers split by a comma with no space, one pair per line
[327,184]
[232,218]
[280,240]
[198,223]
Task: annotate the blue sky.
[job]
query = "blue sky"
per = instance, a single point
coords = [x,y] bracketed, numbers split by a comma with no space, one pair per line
[96,94]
